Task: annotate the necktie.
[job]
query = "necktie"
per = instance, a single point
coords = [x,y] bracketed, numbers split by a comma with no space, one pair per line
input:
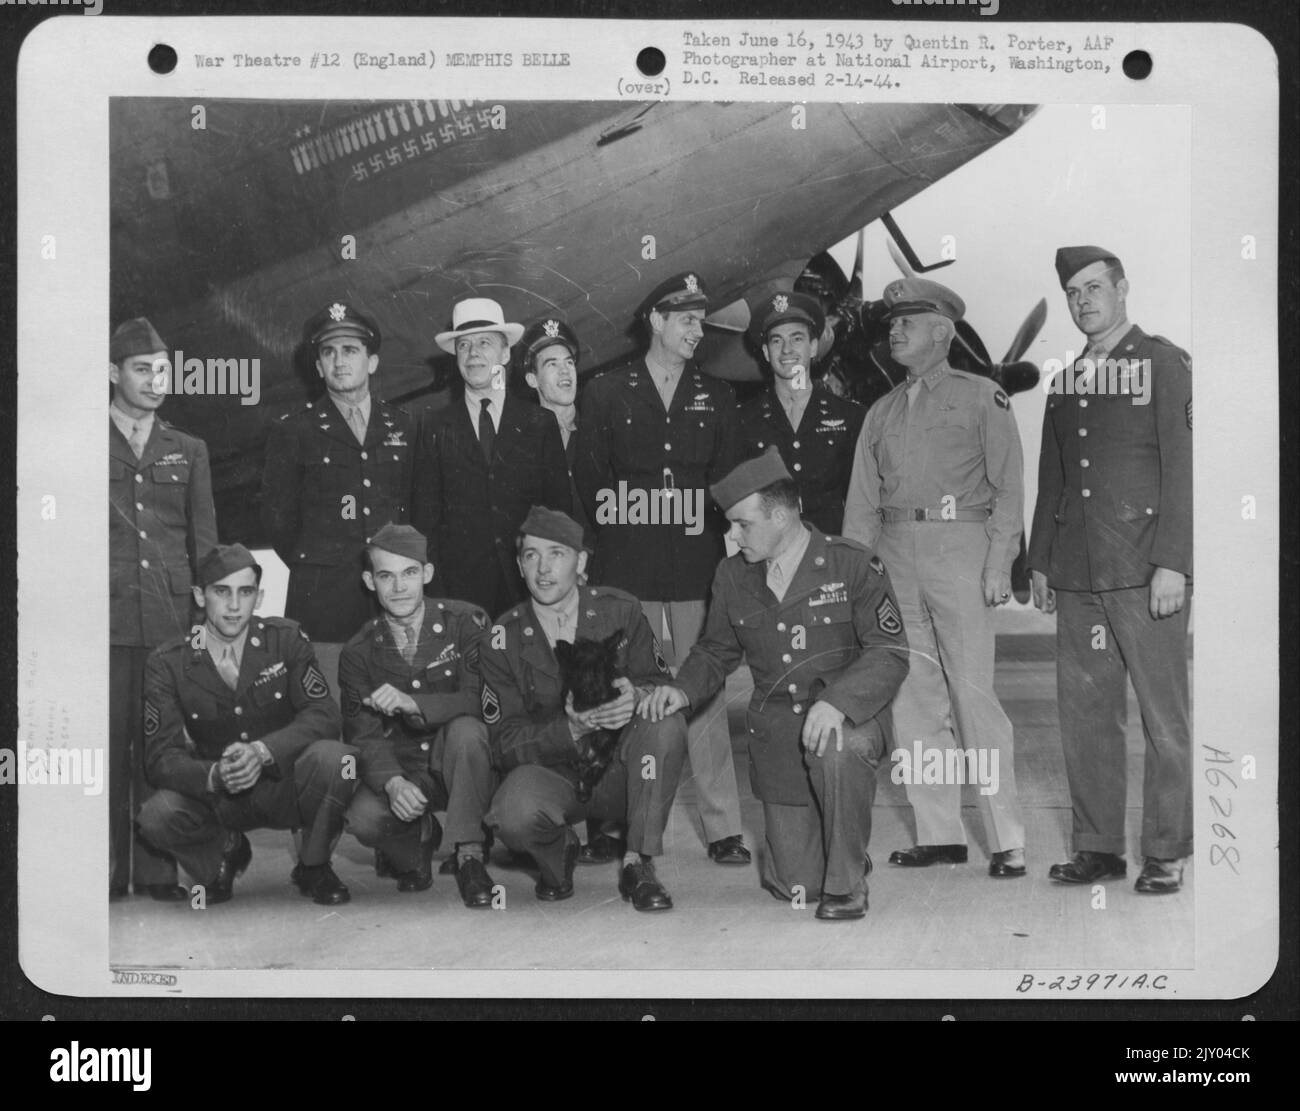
[775,580]
[227,667]
[357,422]
[408,649]
[487,434]
[139,437]
[914,388]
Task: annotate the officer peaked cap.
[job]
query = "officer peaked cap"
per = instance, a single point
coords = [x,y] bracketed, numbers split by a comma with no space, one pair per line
[341,319]
[676,294]
[785,307]
[748,478]
[910,296]
[541,334]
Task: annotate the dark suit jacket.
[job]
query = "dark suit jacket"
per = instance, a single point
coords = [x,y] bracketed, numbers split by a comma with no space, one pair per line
[161,522]
[1115,477]
[471,512]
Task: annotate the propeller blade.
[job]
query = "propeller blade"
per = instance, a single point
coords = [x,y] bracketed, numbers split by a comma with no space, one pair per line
[855,283]
[1016,377]
[1028,333]
[904,267]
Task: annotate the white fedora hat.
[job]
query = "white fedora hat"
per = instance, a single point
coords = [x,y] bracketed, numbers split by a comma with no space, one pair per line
[473,315]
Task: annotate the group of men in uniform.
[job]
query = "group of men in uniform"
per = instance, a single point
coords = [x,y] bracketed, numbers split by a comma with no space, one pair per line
[451,555]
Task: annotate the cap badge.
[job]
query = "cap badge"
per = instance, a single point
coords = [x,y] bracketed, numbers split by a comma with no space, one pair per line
[692,284]
[338,311]
[780,302]
[552,328]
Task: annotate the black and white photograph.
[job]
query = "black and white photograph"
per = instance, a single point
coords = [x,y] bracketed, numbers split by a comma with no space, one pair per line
[563,534]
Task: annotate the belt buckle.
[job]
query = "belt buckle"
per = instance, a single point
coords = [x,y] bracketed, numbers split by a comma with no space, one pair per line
[921,514]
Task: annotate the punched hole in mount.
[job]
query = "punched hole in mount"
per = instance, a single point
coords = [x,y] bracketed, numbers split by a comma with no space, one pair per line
[1137,65]
[651,61]
[162,58]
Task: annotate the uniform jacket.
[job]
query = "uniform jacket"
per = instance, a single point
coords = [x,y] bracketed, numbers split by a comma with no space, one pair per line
[190,715]
[443,679]
[1115,478]
[161,522]
[819,454]
[959,442]
[521,677]
[837,636]
[471,512]
[625,435]
[314,462]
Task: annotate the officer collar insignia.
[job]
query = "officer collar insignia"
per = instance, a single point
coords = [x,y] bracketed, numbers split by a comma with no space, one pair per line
[692,284]
[338,311]
[552,328]
[780,302]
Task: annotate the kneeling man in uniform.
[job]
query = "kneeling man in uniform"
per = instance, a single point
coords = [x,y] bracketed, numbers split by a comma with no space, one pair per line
[539,740]
[241,733]
[817,621]
[409,682]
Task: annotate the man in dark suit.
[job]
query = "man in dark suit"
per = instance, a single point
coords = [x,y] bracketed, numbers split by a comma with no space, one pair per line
[1111,554]
[242,734]
[815,431]
[486,458]
[336,470]
[409,684]
[651,440]
[161,521]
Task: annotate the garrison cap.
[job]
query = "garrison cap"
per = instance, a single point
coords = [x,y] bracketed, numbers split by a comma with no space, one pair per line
[752,475]
[134,337]
[909,296]
[541,334]
[402,540]
[784,307]
[223,560]
[676,294]
[551,524]
[342,319]
[1070,260]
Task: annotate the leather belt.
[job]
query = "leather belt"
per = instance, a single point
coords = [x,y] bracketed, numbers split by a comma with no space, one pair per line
[892,516]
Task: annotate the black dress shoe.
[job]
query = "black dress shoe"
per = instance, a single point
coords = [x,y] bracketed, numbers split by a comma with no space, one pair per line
[553,893]
[167,892]
[1160,877]
[1088,867]
[474,882]
[234,863]
[637,882]
[419,878]
[922,856]
[1000,865]
[448,866]
[601,849]
[839,907]
[730,850]
[320,882]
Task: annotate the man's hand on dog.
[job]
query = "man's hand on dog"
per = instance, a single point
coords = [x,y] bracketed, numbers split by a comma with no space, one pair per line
[614,714]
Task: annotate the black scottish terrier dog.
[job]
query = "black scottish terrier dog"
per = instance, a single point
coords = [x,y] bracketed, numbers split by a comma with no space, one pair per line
[588,669]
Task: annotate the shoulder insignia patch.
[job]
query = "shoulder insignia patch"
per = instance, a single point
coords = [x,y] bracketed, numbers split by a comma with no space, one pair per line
[313,682]
[152,719]
[351,703]
[1001,400]
[877,566]
[887,617]
[491,705]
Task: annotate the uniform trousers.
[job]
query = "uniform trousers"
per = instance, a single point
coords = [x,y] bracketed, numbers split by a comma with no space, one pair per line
[131,858]
[535,804]
[313,799]
[709,735]
[460,766]
[820,846]
[1099,638]
[946,701]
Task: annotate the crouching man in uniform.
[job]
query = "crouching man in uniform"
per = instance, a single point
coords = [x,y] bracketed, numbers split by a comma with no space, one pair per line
[816,619]
[241,733]
[538,738]
[409,682]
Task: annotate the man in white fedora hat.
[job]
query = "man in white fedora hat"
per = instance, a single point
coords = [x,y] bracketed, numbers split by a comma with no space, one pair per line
[486,461]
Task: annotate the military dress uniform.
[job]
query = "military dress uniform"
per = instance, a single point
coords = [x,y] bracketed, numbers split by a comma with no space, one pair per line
[1114,503]
[192,715]
[819,453]
[834,637]
[443,749]
[626,435]
[314,465]
[937,493]
[536,753]
[161,522]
